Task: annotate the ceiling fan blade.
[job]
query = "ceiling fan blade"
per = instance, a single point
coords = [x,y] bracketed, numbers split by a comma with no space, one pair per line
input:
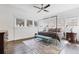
[42,8]
[39,10]
[46,10]
[46,6]
[37,7]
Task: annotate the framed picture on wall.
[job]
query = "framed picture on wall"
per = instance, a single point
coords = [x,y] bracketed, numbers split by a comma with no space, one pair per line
[29,23]
[19,22]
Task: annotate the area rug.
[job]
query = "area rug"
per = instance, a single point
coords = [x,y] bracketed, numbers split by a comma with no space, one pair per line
[33,46]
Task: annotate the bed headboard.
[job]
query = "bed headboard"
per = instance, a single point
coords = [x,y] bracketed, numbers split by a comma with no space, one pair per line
[54,30]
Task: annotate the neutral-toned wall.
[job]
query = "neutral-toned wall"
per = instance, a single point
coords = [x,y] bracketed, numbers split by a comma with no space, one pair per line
[6,22]
[8,15]
[23,32]
[69,15]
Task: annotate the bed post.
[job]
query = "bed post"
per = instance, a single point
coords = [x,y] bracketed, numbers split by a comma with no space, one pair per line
[56,24]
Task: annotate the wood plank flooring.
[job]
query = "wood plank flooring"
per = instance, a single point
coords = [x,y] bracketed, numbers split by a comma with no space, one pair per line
[18,47]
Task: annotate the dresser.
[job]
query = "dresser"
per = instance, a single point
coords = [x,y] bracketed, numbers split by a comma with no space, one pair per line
[2,42]
[71,37]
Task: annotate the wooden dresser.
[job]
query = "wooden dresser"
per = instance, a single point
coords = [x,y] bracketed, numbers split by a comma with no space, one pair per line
[71,37]
[2,42]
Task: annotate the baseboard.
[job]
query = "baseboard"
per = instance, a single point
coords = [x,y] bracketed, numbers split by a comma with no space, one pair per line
[22,39]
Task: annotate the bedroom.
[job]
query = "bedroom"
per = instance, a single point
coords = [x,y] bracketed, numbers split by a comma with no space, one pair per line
[22,23]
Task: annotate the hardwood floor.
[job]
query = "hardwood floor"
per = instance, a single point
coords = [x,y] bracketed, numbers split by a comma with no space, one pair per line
[18,47]
[10,45]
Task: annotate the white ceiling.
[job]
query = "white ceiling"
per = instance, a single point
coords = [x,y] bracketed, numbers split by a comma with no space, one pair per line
[53,9]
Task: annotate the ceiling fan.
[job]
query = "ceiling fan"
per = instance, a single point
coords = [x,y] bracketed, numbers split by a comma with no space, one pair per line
[43,7]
